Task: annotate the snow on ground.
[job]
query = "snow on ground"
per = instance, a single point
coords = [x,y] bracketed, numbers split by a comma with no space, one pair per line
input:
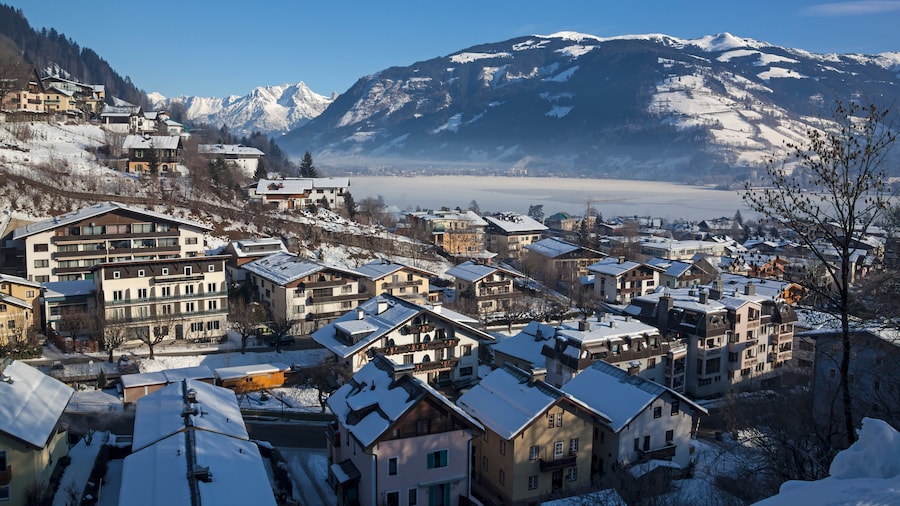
[233,358]
[309,472]
[867,473]
[109,494]
[76,475]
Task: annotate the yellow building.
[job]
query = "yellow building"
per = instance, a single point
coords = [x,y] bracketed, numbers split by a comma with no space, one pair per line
[32,440]
[18,298]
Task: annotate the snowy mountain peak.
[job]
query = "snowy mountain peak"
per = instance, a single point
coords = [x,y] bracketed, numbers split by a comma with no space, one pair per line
[272,110]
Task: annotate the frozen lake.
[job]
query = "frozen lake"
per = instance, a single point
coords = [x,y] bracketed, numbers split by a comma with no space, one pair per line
[613,197]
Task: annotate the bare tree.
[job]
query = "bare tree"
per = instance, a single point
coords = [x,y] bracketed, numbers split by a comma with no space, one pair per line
[159,329]
[245,319]
[829,197]
[326,377]
[280,326]
[114,334]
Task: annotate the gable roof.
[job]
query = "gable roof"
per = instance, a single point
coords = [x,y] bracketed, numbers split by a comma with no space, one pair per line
[152,142]
[507,401]
[619,396]
[528,343]
[552,247]
[284,268]
[238,150]
[32,403]
[373,400]
[380,315]
[162,413]
[377,269]
[96,210]
[513,223]
[297,185]
[616,266]
[472,271]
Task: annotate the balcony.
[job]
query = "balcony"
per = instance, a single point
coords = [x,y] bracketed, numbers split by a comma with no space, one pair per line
[437,365]
[110,237]
[504,282]
[776,338]
[6,475]
[662,453]
[173,298]
[326,299]
[560,463]
[437,344]
[780,356]
[749,362]
[401,284]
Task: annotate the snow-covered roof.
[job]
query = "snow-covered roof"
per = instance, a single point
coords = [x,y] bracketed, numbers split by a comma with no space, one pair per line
[552,247]
[611,326]
[615,266]
[256,247]
[373,400]
[18,280]
[672,268]
[515,223]
[377,269]
[240,371]
[158,475]
[527,345]
[468,216]
[160,414]
[61,289]
[379,316]
[615,393]
[285,268]
[770,289]
[32,403]
[151,142]
[238,150]
[472,271]
[298,185]
[97,210]
[199,372]
[507,401]
[15,301]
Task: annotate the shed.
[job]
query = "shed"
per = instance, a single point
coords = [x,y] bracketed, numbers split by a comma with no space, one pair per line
[248,378]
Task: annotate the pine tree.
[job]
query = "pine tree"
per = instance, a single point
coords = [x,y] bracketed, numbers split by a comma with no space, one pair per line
[306,166]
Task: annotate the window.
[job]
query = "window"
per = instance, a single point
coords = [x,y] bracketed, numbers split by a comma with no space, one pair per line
[467,349]
[2,308]
[142,293]
[197,327]
[41,263]
[212,305]
[572,474]
[190,240]
[559,419]
[392,466]
[211,268]
[165,271]
[211,288]
[412,497]
[532,482]
[670,436]
[212,325]
[189,290]
[11,324]
[550,421]
[118,295]
[637,444]
[534,452]
[423,427]
[466,371]
[676,407]
[190,307]
[4,493]
[646,443]
[558,448]
[651,363]
[392,498]
[573,446]
[502,447]
[502,477]
[188,271]
[484,463]
[41,247]
[657,412]
[437,459]
[167,309]
[167,291]
[116,275]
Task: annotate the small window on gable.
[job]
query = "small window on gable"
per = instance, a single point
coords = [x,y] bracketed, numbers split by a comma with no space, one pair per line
[188,271]
[141,273]
[165,271]
[211,268]
[116,275]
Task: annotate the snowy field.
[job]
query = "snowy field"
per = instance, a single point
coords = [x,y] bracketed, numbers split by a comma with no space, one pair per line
[611,196]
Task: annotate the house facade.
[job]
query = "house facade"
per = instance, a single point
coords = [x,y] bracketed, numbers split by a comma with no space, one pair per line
[567,260]
[32,438]
[25,91]
[397,441]
[399,280]
[536,443]
[171,299]
[489,288]
[647,421]
[438,345]
[299,193]
[459,233]
[245,158]
[159,154]
[66,247]
[617,280]
[20,308]
[509,234]
[245,251]
[305,293]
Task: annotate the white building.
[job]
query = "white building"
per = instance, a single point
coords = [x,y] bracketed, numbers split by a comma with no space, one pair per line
[299,193]
[245,158]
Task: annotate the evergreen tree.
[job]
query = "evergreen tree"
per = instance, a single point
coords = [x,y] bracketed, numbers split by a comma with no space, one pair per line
[350,206]
[306,166]
[260,172]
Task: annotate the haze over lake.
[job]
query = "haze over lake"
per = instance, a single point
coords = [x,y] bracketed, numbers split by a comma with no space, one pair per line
[612,197]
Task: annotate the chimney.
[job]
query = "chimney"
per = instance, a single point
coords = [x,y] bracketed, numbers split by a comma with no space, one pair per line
[634,368]
[612,323]
[703,296]
[360,314]
[584,325]
[382,305]
[537,374]
[715,291]
[621,259]
[662,313]
[436,307]
[539,336]
[750,288]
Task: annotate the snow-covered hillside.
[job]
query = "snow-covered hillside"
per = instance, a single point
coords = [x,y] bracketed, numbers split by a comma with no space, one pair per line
[272,110]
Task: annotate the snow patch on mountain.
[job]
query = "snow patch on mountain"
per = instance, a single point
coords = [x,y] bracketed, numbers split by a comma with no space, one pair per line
[273,110]
[470,57]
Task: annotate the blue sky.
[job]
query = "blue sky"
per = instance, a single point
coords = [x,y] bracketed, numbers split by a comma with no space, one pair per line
[227,47]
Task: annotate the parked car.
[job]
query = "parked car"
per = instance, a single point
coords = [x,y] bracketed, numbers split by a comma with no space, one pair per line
[283,341]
